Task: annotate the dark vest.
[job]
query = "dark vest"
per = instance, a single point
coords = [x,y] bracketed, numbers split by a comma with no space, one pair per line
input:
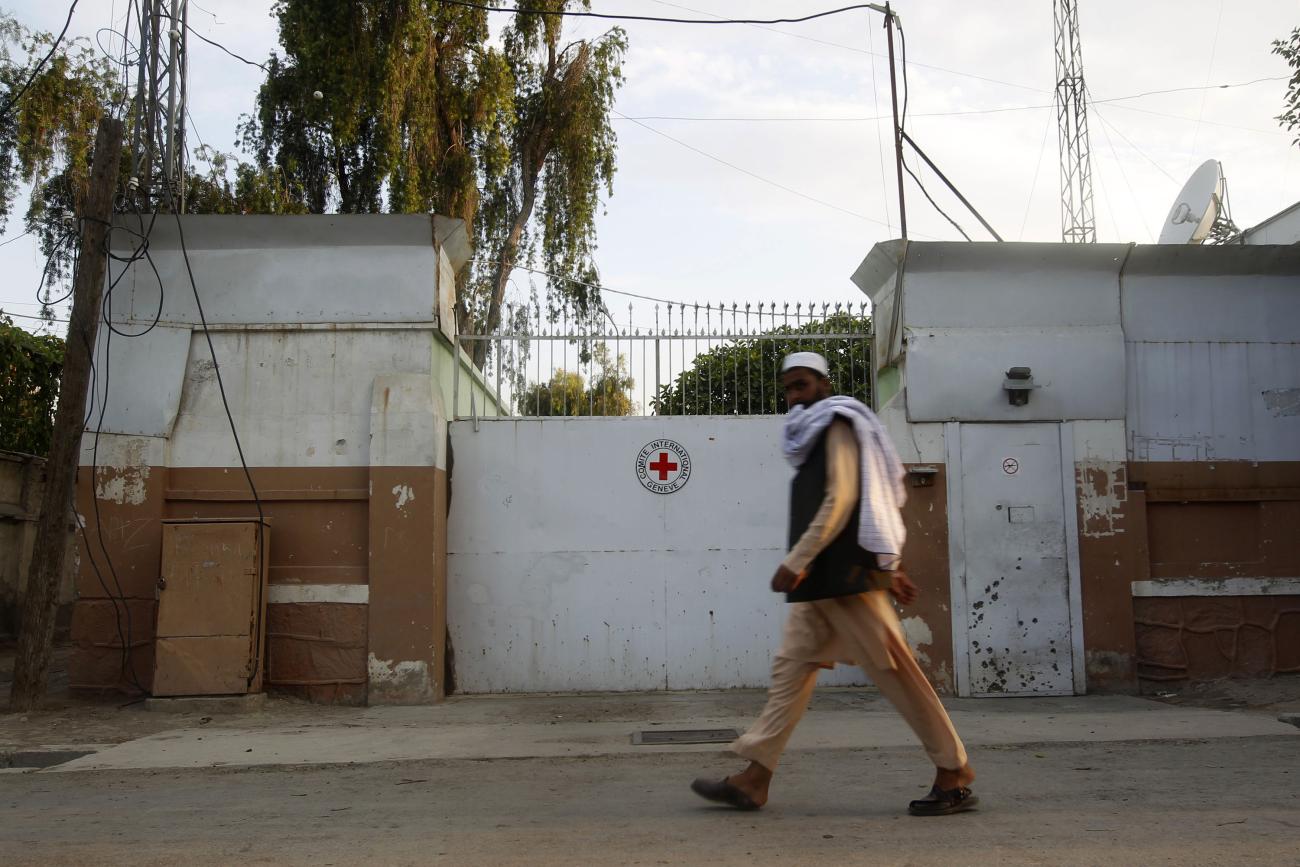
[843,568]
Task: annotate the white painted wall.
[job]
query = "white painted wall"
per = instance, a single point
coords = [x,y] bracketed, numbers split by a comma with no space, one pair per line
[305,313]
[1213,352]
[1281,228]
[565,574]
[969,312]
[299,398]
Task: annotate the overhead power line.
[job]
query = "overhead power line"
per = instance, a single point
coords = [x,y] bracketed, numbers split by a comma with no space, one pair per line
[755,175]
[868,51]
[37,318]
[973,111]
[559,13]
[215,44]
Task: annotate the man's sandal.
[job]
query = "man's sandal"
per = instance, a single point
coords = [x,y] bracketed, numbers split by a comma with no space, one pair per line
[723,792]
[941,802]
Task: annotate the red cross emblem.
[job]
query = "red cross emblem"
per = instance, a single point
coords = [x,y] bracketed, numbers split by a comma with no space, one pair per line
[663,466]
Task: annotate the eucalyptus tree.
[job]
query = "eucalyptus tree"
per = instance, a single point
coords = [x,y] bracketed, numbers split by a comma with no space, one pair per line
[411,106]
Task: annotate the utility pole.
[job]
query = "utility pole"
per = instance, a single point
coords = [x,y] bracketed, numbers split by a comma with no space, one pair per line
[49,555]
[898,126]
[1078,224]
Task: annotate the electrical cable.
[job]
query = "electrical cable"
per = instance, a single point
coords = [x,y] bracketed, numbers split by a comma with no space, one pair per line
[597,286]
[128,661]
[115,594]
[870,51]
[46,59]
[1205,94]
[854,119]
[1147,93]
[234,431]
[902,41]
[561,13]
[880,141]
[929,197]
[1033,185]
[1137,206]
[979,111]
[755,175]
[902,125]
[1106,123]
[4,312]
[16,238]
[215,44]
[1254,129]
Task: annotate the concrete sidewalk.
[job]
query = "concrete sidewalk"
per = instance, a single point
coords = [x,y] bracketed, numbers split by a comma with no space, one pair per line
[574,726]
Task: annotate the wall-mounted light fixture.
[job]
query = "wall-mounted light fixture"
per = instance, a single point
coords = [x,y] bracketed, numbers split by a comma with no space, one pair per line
[1018,384]
[922,477]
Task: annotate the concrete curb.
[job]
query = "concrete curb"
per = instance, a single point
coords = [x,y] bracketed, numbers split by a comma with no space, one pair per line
[444,733]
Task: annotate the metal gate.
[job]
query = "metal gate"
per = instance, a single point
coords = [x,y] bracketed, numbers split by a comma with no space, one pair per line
[619,531]
[1013,535]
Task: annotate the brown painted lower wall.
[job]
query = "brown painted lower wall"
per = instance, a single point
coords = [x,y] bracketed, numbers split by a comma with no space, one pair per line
[925,557]
[1209,520]
[1198,638]
[323,520]
[317,650]
[1112,548]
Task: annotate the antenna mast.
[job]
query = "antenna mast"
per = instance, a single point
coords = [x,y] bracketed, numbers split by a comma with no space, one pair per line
[1078,225]
[158,152]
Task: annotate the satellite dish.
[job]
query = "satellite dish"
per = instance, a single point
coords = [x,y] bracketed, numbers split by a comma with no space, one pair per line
[1197,206]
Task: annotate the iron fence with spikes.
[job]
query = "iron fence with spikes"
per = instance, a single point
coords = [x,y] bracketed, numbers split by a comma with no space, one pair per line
[687,359]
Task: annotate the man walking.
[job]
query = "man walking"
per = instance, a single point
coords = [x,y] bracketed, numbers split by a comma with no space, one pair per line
[846,537]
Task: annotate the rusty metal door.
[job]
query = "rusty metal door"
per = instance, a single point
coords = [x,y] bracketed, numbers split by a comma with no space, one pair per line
[1016,572]
[211,608]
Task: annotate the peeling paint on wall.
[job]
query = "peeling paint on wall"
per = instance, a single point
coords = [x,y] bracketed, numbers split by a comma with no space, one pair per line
[918,634]
[942,679]
[404,494]
[1191,448]
[1103,491]
[123,485]
[405,680]
[1282,401]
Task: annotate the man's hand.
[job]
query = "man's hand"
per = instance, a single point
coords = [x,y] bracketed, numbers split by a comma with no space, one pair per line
[902,588]
[784,580]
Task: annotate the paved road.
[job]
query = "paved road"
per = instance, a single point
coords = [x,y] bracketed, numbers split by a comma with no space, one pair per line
[1221,801]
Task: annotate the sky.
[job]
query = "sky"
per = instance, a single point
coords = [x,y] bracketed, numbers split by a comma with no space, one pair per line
[750,168]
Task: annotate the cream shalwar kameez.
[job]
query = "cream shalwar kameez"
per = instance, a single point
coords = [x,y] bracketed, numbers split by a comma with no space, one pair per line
[860,630]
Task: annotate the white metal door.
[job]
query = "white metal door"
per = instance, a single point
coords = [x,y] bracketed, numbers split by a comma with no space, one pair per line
[1017,573]
[568,573]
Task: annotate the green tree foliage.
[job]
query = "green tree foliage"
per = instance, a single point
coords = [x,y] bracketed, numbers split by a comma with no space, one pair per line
[229,186]
[1289,50]
[47,138]
[567,393]
[30,367]
[743,377]
[410,106]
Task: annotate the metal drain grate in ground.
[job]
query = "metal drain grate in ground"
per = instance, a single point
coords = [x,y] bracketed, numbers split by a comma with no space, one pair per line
[40,758]
[685,736]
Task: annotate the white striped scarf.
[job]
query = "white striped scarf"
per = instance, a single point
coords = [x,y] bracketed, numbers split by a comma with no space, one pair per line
[881,529]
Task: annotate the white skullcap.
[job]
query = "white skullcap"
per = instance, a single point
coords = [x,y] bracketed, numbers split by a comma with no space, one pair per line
[810,360]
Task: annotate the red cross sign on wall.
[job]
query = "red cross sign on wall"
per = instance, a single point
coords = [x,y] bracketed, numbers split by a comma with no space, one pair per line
[663,466]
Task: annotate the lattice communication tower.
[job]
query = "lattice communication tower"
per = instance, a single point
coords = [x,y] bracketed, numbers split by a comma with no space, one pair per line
[1078,224]
[158,153]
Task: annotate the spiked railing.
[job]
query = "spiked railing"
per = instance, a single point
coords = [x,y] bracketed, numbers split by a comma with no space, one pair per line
[687,359]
